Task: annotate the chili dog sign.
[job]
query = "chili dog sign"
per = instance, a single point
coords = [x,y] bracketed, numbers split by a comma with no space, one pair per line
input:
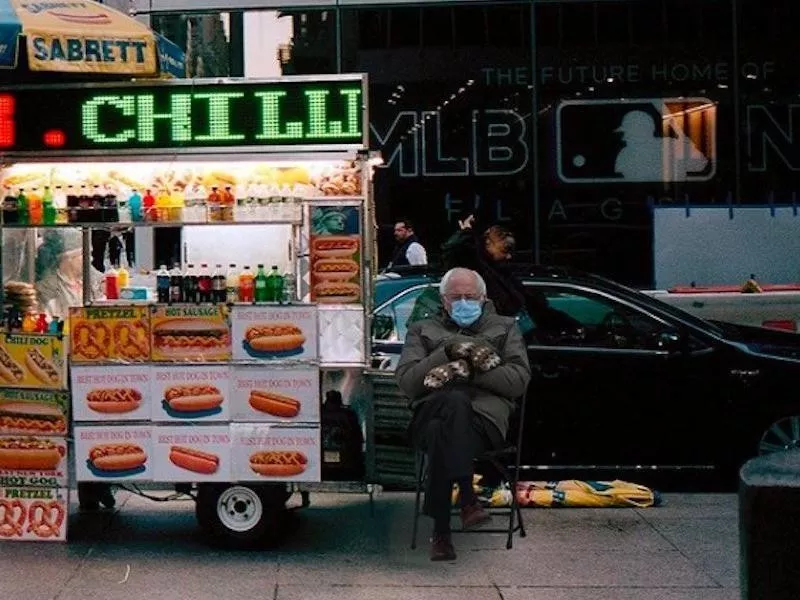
[113,453]
[109,334]
[274,332]
[192,454]
[195,393]
[105,394]
[32,361]
[275,394]
[33,514]
[275,453]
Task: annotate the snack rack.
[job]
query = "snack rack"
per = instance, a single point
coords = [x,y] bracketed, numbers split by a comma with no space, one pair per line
[220,400]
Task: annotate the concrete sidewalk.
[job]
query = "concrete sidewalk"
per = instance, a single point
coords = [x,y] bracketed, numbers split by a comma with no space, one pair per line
[684,550]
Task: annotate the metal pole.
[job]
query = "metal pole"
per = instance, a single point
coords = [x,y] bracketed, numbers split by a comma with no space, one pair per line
[537,234]
[737,124]
[87,264]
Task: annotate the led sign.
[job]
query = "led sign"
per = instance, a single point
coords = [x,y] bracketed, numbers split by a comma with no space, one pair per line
[199,116]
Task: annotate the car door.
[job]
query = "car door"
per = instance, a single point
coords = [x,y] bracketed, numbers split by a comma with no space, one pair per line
[610,388]
[390,325]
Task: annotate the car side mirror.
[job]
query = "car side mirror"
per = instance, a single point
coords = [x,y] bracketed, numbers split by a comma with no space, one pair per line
[671,341]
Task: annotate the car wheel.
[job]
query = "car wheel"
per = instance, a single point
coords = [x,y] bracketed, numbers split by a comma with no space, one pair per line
[782,435]
[238,515]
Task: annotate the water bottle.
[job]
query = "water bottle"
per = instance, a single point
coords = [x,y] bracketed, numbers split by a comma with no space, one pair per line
[289,288]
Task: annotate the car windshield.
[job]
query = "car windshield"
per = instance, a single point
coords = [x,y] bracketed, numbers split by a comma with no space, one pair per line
[674,311]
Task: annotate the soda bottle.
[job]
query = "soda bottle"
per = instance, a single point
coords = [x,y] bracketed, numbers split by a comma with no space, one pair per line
[84,205]
[162,285]
[35,207]
[246,285]
[22,207]
[261,287]
[97,203]
[148,202]
[123,277]
[10,214]
[73,205]
[218,286]
[110,208]
[232,284]
[49,207]
[213,202]
[112,284]
[60,203]
[190,291]
[274,285]
[204,284]
[228,201]
[289,288]
[175,284]
[135,205]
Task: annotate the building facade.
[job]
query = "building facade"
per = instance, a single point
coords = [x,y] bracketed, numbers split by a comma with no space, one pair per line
[566,121]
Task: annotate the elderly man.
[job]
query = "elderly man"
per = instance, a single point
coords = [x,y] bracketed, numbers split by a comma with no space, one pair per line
[463,371]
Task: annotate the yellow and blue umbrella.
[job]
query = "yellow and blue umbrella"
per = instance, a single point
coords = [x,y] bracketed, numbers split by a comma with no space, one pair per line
[83,36]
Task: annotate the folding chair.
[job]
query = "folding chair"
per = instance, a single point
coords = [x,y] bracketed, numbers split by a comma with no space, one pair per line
[499,460]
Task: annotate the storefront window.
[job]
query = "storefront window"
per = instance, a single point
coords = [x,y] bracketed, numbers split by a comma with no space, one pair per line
[622,131]
[450,108]
[204,38]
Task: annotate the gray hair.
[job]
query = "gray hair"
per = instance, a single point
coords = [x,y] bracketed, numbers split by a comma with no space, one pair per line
[480,283]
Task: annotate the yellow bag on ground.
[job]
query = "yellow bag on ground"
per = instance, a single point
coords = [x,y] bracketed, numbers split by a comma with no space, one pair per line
[576,493]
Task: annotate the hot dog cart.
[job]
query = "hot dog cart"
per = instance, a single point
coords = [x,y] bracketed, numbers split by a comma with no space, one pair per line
[196,356]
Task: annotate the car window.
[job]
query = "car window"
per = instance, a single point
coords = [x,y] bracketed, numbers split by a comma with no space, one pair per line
[565,316]
[389,324]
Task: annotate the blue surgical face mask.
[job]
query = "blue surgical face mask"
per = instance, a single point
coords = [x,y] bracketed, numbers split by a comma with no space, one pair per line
[465,312]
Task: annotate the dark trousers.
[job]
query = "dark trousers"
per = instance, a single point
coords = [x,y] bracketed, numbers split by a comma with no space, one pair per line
[451,435]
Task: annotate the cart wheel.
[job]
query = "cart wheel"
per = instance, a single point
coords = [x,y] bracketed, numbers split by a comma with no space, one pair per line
[239,515]
[783,434]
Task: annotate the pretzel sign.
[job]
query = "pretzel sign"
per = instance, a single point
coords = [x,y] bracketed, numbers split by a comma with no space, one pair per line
[45,518]
[12,518]
[91,340]
[131,339]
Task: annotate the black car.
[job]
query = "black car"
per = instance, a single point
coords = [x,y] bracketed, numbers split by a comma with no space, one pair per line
[625,381]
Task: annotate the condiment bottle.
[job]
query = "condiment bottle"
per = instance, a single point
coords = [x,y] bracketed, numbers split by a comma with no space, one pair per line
[123,277]
[29,322]
[41,323]
[111,284]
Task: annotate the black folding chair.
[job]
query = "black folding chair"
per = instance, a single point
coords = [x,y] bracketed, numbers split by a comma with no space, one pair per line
[508,469]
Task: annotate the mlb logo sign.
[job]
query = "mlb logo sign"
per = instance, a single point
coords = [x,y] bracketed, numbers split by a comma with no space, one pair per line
[636,141]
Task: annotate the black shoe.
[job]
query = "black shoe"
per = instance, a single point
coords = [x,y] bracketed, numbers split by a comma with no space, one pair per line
[442,547]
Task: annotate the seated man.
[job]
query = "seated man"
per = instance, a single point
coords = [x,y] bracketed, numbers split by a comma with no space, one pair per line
[462,370]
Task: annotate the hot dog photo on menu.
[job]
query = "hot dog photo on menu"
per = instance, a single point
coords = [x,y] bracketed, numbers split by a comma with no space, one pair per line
[266,332]
[275,452]
[189,333]
[113,452]
[275,394]
[32,361]
[29,412]
[192,453]
[335,249]
[118,394]
[189,393]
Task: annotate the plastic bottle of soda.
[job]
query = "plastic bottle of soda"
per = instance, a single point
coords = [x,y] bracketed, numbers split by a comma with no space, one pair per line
[162,284]
[35,207]
[232,284]
[73,204]
[135,206]
[204,284]
[60,202]
[274,285]
[228,201]
[22,207]
[175,284]
[213,203]
[48,208]
[190,285]
[289,288]
[148,203]
[246,285]
[218,286]
[261,286]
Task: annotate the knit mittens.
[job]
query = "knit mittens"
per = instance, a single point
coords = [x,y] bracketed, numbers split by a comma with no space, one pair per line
[438,377]
[480,357]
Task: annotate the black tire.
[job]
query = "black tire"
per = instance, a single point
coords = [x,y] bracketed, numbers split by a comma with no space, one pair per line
[240,516]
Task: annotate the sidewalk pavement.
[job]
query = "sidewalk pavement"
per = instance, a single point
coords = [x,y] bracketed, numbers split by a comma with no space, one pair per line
[686,549]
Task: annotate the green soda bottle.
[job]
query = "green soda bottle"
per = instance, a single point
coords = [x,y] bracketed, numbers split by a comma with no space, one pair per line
[49,207]
[275,285]
[22,207]
[261,286]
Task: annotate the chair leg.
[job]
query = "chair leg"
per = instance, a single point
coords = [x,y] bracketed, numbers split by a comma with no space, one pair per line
[420,465]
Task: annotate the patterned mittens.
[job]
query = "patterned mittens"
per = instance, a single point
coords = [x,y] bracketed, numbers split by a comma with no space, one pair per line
[438,377]
[480,357]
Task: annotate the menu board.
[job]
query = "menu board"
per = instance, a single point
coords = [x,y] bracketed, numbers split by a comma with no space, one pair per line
[33,412]
[33,514]
[120,393]
[190,393]
[273,332]
[109,333]
[335,248]
[201,453]
[187,332]
[275,453]
[30,360]
[272,394]
[33,461]
[113,452]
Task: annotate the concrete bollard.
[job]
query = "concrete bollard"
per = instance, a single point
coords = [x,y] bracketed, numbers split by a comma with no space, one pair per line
[769,527]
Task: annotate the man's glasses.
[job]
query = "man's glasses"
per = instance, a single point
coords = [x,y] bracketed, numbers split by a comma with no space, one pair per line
[455,297]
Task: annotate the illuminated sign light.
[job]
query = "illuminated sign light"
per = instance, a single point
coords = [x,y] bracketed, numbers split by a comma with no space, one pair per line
[164,116]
